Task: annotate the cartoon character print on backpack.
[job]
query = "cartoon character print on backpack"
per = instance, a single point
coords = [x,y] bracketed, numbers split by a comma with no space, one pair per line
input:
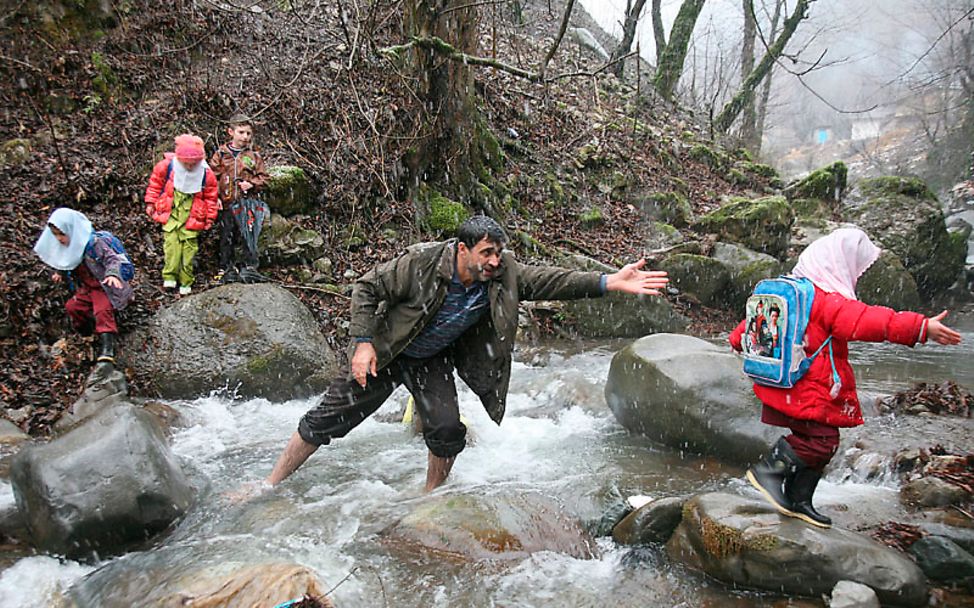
[777,316]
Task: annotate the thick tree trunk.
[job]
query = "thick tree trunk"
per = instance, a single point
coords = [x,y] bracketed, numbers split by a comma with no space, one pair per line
[745,93]
[671,63]
[749,116]
[633,11]
[452,151]
[762,107]
[659,35]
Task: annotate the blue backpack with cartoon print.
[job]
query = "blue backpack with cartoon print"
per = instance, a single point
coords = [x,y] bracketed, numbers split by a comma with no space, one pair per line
[127,268]
[776,318]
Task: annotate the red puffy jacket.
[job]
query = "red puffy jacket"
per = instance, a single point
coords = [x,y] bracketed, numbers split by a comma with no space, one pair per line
[845,320]
[159,196]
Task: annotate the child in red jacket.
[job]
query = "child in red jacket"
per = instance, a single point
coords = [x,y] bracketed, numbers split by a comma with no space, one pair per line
[182,196]
[819,404]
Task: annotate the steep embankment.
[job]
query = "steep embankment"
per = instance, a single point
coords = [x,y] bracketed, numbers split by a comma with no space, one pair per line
[94,97]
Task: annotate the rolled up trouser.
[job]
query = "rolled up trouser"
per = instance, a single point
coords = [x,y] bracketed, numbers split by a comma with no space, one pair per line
[346,404]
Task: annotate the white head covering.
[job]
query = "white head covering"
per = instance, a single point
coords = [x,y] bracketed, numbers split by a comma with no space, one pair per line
[187,182]
[52,252]
[835,262]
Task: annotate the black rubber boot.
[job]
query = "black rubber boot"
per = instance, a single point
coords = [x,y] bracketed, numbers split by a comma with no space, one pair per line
[769,475]
[799,490]
[250,275]
[107,352]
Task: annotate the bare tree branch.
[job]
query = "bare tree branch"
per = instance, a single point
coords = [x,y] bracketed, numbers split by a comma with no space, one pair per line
[557,41]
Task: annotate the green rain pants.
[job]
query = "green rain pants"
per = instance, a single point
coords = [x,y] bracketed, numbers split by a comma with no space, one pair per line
[179,245]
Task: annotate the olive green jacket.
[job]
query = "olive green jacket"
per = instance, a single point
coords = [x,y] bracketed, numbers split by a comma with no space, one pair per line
[393,302]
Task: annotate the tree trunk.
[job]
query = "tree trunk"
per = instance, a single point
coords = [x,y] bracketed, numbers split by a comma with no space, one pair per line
[749,118]
[659,35]
[762,109]
[452,151]
[745,93]
[671,63]
[633,11]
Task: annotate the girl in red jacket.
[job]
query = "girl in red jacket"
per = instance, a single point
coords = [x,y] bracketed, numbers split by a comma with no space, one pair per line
[818,404]
[182,196]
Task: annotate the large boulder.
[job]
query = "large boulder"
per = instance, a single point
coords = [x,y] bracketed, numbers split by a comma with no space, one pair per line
[495,527]
[619,315]
[817,195]
[888,283]
[762,224]
[690,395]
[255,340]
[746,268]
[101,487]
[904,216]
[746,543]
[705,278]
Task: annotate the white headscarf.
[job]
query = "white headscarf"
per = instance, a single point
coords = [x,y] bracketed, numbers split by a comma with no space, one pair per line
[185,181]
[835,262]
[52,252]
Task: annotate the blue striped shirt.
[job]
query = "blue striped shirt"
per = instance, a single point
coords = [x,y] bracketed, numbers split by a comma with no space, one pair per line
[462,308]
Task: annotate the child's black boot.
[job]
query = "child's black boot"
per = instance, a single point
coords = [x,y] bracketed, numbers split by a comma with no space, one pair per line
[799,490]
[107,352]
[769,475]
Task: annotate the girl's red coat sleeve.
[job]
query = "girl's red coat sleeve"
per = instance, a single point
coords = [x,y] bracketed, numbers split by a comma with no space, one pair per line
[846,321]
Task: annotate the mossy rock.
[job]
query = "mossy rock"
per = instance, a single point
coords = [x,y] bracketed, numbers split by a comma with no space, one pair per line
[704,278]
[288,191]
[827,183]
[669,207]
[812,208]
[762,224]
[591,218]
[904,216]
[746,269]
[15,152]
[283,242]
[706,155]
[443,215]
[759,169]
[887,283]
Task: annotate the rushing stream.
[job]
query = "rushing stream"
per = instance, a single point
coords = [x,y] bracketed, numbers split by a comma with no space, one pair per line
[558,439]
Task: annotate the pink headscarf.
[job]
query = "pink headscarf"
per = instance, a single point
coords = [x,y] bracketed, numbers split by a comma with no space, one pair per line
[835,262]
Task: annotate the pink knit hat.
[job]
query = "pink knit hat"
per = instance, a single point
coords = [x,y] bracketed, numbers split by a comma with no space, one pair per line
[189,148]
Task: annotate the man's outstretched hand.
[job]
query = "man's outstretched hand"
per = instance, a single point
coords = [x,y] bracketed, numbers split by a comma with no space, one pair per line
[632,279]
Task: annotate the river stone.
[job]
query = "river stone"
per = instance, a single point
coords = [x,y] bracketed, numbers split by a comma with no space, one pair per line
[904,216]
[933,492]
[256,340]
[652,523]
[762,224]
[11,434]
[207,577]
[942,560]
[619,315]
[108,483]
[746,269]
[847,594]
[962,537]
[746,543]
[704,278]
[494,527]
[690,395]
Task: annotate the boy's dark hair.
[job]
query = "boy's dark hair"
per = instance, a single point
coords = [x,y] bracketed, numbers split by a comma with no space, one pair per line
[240,120]
[476,228]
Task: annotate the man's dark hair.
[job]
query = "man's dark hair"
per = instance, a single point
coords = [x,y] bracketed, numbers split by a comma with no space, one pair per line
[477,228]
[774,308]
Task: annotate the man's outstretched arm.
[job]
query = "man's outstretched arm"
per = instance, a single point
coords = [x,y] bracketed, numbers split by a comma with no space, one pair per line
[631,278]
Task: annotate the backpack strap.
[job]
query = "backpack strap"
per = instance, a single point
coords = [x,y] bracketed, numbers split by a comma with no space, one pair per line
[835,372]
